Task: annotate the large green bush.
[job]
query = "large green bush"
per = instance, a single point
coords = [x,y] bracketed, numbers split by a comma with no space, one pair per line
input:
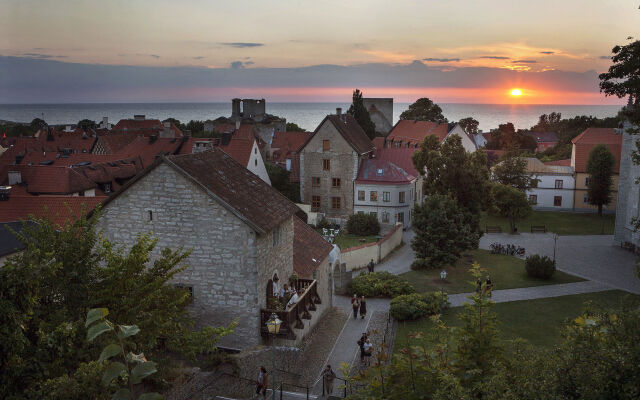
[414,306]
[380,284]
[541,267]
[363,225]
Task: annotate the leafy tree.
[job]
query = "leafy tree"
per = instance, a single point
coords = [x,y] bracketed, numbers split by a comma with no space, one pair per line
[280,180]
[506,138]
[510,203]
[623,79]
[293,127]
[600,169]
[512,171]
[37,123]
[470,125]
[424,110]
[196,128]
[451,170]
[546,123]
[363,224]
[361,114]
[442,232]
[85,124]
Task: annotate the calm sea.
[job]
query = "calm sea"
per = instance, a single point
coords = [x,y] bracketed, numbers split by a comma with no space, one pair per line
[307,115]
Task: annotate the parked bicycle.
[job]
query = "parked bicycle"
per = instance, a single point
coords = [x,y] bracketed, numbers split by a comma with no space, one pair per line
[508,249]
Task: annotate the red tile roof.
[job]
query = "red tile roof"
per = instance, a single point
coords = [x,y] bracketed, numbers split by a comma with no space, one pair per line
[144,127]
[309,249]
[58,208]
[415,132]
[378,142]
[289,141]
[369,172]
[591,137]
[236,187]
[148,149]
[559,163]
[398,156]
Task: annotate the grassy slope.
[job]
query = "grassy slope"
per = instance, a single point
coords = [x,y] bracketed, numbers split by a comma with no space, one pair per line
[562,223]
[506,272]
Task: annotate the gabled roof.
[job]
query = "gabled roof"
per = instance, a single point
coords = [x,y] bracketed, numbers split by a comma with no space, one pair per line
[560,163]
[417,131]
[231,184]
[536,166]
[45,179]
[591,137]
[58,208]
[9,243]
[350,131]
[398,156]
[376,171]
[309,249]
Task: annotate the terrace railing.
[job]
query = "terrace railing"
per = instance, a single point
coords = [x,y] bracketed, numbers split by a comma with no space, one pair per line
[292,317]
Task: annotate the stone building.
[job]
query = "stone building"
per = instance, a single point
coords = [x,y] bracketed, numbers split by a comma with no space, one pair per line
[240,231]
[554,185]
[329,162]
[628,206]
[381,113]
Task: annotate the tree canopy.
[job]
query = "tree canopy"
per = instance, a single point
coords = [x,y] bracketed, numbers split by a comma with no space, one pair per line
[623,78]
[600,167]
[512,171]
[293,127]
[469,125]
[509,202]
[424,110]
[361,114]
[506,138]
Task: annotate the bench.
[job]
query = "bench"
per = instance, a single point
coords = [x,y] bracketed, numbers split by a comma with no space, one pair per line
[538,229]
[493,229]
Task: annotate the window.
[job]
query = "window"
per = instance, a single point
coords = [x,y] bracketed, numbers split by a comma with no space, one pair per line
[585,199]
[150,215]
[398,144]
[587,181]
[375,214]
[326,145]
[385,216]
[373,196]
[186,287]
[276,236]
[360,195]
[386,197]
[557,201]
[326,164]
[315,203]
[360,212]
[81,193]
[255,162]
[335,203]
[401,217]
[255,150]
[533,199]
[380,172]
[558,183]
[335,182]
[401,197]
[315,181]
[107,188]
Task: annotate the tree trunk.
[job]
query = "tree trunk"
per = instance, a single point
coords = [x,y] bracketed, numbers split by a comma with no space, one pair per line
[512,225]
[600,210]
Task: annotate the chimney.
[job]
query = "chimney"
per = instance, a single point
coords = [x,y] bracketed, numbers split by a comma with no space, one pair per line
[226,138]
[15,177]
[153,138]
[5,192]
[139,117]
[338,111]
[237,124]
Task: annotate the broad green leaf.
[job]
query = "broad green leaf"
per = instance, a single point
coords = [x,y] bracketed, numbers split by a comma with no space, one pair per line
[142,370]
[121,394]
[95,314]
[150,396]
[109,351]
[128,330]
[112,372]
[98,329]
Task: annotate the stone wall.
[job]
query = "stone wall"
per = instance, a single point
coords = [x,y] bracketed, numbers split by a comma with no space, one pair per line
[628,193]
[274,259]
[359,256]
[344,165]
[222,265]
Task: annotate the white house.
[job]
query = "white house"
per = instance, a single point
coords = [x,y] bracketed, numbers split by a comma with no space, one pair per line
[555,186]
[386,191]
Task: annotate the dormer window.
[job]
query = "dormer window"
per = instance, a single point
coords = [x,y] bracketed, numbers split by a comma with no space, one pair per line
[107,187]
[380,172]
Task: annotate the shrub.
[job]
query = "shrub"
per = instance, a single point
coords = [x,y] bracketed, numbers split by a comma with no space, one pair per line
[421,263]
[541,267]
[326,224]
[414,306]
[363,225]
[380,284]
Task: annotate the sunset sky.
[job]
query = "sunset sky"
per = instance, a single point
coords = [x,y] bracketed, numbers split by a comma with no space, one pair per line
[464,51]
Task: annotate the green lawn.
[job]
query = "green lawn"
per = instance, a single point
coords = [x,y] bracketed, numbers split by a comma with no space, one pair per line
[537,321]
[346,240]
[507,272]
[562,223]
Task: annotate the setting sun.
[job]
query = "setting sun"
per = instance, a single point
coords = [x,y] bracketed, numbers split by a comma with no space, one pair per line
[516,92]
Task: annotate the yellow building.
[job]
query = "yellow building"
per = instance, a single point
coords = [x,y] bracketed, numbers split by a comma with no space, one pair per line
[582,146]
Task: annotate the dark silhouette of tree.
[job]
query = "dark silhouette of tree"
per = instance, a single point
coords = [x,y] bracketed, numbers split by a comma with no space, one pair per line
[623,78]
[360,113]
[293,127]
[469,125]
[600,169]
[424,110]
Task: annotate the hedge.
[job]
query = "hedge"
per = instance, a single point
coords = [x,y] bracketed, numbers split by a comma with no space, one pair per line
[380,284]
[414,306]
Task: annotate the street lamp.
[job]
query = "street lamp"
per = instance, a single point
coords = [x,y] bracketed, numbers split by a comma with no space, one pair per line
[555,241]
[273,326]
[443,276]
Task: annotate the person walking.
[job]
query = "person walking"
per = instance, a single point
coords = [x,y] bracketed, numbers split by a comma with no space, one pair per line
[371,266]
[328,375]
[361,342]
[363,307]
[355,303]
[478,285]
[488,286]
[368,349]
[262,383]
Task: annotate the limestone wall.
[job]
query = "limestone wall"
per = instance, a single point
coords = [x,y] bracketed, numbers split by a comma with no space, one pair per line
[222,265]
[273,259]
[359,257]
